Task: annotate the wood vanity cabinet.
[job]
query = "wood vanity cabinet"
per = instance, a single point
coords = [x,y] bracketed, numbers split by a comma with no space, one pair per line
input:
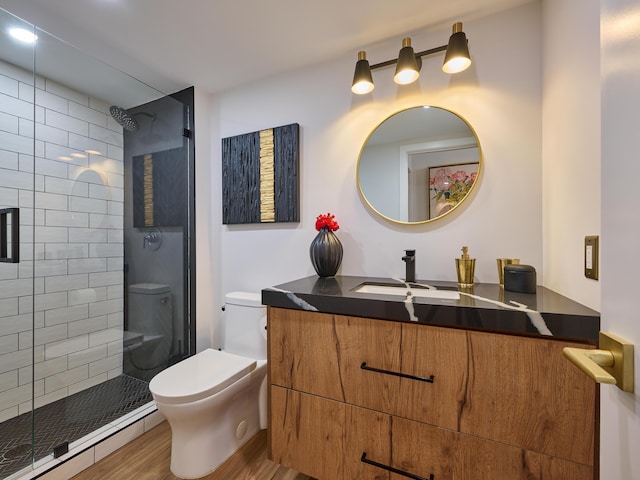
[418,400]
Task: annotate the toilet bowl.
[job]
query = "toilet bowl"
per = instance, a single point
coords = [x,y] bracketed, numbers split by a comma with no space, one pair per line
[215,400]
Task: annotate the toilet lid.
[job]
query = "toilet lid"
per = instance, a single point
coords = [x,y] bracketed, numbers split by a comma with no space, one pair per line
[199,376]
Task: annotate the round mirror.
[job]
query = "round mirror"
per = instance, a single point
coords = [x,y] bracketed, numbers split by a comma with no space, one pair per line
[419,164]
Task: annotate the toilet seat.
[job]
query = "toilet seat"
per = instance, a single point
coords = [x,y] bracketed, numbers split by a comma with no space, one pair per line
[199,376]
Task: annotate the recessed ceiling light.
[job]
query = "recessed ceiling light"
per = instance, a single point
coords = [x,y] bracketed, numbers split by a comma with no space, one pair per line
[23,35]
[93,152]
[79,155]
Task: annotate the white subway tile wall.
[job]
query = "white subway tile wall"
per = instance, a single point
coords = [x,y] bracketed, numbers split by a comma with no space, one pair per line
[76,214]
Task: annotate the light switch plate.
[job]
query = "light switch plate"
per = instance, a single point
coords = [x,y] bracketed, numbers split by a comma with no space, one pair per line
[591,253]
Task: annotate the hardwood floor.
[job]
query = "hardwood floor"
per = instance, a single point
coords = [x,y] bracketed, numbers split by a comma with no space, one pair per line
[148,457]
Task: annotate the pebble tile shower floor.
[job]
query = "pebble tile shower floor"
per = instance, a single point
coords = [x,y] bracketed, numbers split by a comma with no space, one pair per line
[67,420]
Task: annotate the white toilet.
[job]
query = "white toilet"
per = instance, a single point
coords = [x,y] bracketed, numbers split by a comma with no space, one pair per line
[216,400]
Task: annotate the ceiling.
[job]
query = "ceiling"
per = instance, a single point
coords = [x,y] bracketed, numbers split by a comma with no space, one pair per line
[219,44]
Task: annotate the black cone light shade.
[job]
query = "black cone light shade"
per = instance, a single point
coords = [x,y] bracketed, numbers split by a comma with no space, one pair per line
[407,69]
[362,80]
[457,57]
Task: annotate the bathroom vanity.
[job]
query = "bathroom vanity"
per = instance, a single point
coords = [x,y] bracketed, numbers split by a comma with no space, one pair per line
[381,386]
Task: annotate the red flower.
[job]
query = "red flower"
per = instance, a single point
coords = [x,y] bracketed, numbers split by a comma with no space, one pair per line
[327,221]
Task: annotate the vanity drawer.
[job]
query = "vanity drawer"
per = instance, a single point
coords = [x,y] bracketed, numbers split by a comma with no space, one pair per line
[326,440]
[414,371]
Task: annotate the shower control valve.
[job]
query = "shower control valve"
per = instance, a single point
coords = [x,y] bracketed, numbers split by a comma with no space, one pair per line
[153,239]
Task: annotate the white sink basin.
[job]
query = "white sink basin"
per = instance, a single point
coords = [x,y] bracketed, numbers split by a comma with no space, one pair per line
[402,290]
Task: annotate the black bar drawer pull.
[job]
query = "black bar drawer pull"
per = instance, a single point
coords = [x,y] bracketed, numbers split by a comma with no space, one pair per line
[15,235]
[364,459]
[397,374]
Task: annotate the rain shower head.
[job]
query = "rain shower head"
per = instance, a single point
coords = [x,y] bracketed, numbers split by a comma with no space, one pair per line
[127,120]
[124,118]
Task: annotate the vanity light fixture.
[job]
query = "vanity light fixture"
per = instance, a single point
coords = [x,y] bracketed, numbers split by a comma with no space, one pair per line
[408,63]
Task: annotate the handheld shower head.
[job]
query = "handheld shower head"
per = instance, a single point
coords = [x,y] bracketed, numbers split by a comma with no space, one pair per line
[124,118]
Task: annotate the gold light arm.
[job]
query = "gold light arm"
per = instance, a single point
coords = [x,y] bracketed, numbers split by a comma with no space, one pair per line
[612,363]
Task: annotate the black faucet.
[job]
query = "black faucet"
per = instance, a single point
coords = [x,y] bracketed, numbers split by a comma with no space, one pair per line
[410,260]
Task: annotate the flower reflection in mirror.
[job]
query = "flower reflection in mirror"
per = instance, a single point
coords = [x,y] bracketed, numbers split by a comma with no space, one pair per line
[449,185]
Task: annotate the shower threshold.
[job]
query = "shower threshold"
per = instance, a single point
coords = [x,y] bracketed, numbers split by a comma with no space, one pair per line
[68,420]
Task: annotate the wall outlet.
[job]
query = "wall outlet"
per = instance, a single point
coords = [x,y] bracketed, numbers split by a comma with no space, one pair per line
[591,262]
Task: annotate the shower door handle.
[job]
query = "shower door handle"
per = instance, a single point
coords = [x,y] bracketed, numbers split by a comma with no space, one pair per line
[14,213]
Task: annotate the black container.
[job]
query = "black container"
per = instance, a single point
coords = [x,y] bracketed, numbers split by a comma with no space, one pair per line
[520,278]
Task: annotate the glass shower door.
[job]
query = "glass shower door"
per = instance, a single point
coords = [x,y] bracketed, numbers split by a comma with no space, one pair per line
[100,167]
[17,284]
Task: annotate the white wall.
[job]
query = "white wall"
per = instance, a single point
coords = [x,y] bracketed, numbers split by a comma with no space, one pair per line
[570,144]
[500,96]
[208,220]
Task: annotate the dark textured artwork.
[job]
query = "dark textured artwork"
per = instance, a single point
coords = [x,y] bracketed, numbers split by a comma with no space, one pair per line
[260,181]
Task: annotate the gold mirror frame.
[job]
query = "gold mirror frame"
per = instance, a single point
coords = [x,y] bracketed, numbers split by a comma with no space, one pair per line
[419,130]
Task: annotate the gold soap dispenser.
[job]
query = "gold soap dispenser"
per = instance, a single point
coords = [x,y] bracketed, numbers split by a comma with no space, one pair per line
[465,266]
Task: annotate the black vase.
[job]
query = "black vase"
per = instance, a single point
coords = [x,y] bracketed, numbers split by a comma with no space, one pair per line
[326,253]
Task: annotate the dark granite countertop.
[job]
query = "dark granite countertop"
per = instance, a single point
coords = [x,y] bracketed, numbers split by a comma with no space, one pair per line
[486,306]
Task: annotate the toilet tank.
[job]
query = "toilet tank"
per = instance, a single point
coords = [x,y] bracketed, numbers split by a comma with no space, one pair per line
[149,321]
[245,321]
[150,309]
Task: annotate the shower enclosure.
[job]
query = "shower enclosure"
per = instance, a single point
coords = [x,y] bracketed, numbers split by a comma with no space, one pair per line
[96,242]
